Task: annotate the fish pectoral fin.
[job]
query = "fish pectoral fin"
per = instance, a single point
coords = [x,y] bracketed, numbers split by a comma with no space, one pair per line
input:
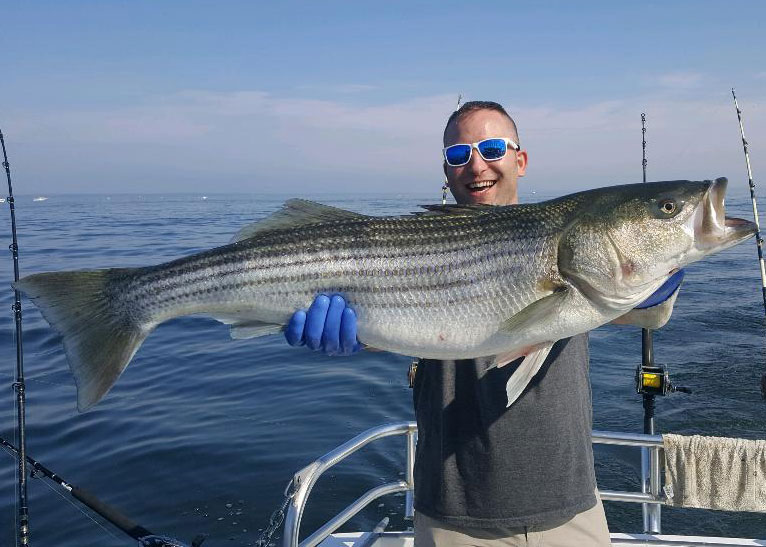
[526,371]
[296,212]
[540,310]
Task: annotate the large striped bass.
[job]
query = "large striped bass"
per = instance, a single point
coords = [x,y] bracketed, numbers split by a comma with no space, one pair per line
[455,282]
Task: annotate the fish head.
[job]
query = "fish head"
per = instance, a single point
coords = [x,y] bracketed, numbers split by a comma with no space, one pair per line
[626,241]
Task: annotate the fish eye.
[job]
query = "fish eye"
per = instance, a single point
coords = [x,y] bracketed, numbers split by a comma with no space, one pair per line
[668,207]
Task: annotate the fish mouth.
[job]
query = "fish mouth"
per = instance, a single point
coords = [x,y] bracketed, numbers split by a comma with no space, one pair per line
[713,230]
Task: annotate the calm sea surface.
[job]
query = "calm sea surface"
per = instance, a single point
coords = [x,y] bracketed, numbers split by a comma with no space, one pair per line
[202,433]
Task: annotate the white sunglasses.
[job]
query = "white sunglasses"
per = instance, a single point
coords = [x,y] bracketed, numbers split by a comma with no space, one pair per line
[490,149]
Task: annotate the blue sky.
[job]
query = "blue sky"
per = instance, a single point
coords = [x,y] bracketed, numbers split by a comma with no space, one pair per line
[311,97]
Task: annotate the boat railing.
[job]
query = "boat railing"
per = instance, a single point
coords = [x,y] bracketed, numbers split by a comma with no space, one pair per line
[304,480]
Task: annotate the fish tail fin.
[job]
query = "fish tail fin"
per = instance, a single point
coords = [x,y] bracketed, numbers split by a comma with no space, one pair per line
[99,338]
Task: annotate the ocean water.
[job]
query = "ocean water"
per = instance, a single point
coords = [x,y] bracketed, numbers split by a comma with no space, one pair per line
[202,433]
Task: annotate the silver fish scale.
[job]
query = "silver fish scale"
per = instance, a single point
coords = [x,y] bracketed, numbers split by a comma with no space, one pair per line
[430,281]
[452,283]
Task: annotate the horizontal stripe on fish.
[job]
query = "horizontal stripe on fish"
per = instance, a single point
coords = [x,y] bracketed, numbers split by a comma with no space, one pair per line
[456,282]
[446,273]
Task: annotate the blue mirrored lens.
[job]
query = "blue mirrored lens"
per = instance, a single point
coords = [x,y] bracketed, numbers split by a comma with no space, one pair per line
[458,154]
[492,149]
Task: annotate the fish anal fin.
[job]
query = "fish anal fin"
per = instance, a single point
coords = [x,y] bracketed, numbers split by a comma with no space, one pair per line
[296,212]
[525,372]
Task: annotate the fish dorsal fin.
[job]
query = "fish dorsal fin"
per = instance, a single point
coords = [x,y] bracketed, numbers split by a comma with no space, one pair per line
[296,212]
[453,209]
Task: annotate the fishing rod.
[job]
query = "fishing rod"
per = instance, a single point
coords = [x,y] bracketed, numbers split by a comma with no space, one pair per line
[144,537]
[650,513]
[18,385]
[445,186]
[652,380]
[647,344]
[758,239]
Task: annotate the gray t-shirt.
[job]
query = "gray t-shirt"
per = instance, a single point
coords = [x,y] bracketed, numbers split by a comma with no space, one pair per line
[481,464]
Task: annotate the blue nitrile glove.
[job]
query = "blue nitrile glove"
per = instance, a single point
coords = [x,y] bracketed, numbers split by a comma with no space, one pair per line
[664,292]
[654,312]
[328,326]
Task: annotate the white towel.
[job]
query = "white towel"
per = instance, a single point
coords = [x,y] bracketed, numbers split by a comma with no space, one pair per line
[715,473]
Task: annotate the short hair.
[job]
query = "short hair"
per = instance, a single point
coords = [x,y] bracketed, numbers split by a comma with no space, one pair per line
[472,106]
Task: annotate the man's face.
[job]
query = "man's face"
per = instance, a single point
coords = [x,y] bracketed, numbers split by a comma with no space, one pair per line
[480,181]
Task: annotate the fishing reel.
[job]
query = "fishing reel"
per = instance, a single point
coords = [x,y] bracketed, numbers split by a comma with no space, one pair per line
[655,380]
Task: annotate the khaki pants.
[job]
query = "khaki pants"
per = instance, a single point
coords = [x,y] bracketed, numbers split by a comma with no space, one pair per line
[586,529]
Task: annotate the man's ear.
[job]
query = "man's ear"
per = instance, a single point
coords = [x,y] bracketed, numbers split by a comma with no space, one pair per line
[521,162]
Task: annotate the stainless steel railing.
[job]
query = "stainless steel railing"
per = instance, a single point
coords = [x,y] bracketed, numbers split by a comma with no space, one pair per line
[304,480]
[649,497]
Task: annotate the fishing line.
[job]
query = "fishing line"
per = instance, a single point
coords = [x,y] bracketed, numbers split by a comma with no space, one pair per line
[225,416]
[13,500]
[139,533]
[67,500]
[40,379]
[144,537]
[82,512]
[758,239]
[12,377]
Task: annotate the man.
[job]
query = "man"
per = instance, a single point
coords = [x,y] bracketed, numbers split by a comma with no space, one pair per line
[484,474]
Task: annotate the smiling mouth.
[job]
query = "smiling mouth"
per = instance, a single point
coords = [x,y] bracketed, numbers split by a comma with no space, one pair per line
[481,186]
